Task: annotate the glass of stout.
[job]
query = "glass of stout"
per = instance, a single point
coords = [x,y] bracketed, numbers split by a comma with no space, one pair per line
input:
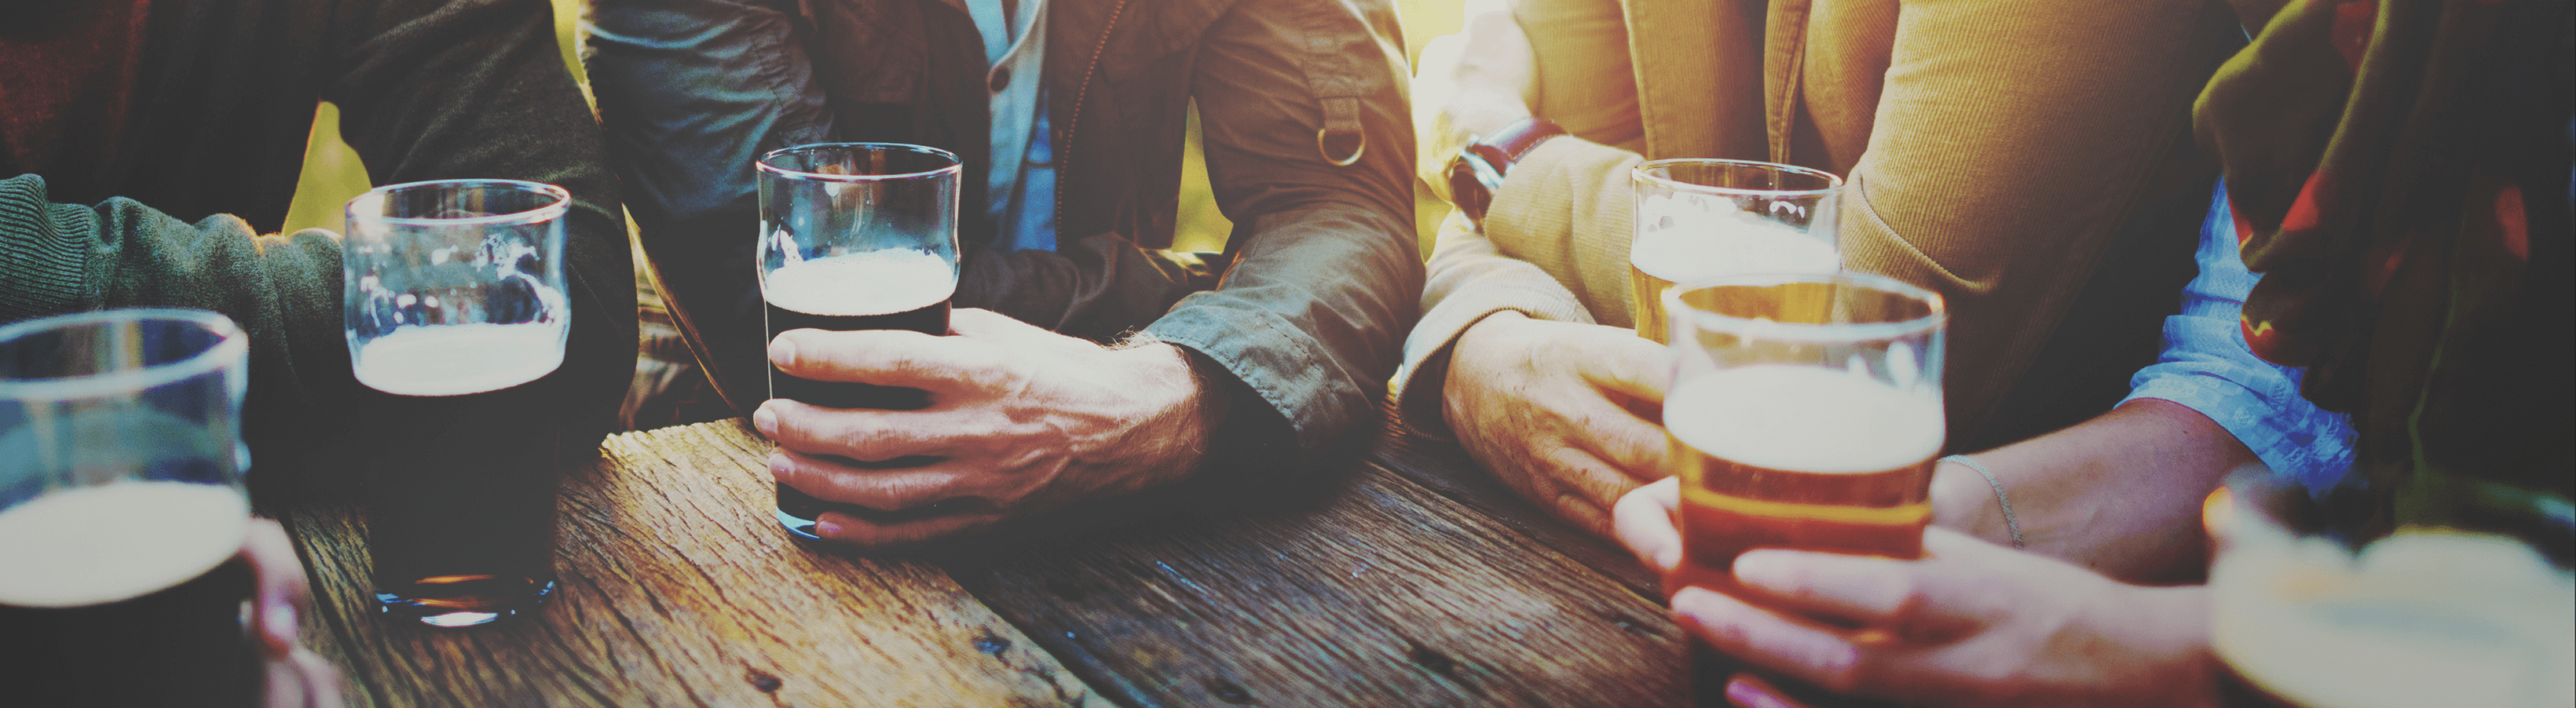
[854,236]
[456,311]
[1708,218]
[121,509]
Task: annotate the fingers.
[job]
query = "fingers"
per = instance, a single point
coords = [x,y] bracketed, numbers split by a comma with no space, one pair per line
[1858,590]
[1582,488]
[1750,691]
[1644,520]
[865,533]
[1629,365]
[858,434]
[281,585]
[880,489]
[885,357]
[1792,646]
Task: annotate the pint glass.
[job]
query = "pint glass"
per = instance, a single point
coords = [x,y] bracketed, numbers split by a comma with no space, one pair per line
[121,508]
[455,305]
[1805,413]
[2307,612]
[854,236]
[1698,219]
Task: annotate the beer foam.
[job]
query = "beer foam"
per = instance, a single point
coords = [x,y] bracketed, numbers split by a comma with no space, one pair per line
[454,360]
[1804,419]
[2421,618]
[1729,245]
[92,545]
[872,283]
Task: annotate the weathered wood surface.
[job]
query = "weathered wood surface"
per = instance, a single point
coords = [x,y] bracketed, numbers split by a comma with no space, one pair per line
[1379,592]
[678,589]
[1445,469]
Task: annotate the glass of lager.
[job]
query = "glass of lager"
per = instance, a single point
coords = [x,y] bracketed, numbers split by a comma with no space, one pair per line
[854,236]
[1805,413]
[1702,218]
[121,509]
[456,308]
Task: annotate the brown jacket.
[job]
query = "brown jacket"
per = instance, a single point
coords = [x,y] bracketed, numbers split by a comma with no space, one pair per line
[2030,160]
[1309,150]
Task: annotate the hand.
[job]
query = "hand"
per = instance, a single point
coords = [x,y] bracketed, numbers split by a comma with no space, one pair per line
[1021,420]
[297,677]
[1974,624]
[1470,84]
[1564,414]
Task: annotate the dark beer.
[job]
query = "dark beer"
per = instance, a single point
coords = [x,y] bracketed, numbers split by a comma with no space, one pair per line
[126,594]
[890,289]
[461,507]
[930,319]
[1798,457]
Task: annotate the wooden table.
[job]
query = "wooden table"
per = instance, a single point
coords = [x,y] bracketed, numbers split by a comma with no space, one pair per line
[1402,578]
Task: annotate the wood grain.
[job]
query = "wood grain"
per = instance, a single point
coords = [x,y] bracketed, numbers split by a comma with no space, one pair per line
[1381,593]
[679,590]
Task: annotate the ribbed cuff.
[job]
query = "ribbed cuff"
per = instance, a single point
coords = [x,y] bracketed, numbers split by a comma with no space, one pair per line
[44,253]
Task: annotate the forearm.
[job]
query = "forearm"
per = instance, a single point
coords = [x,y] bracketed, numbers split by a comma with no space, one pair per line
[2120,493]
[1568,208]
[284,292]
[1468,281]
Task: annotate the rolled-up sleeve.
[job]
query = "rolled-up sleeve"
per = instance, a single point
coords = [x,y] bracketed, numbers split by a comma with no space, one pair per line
[2207,367]
[1311,315]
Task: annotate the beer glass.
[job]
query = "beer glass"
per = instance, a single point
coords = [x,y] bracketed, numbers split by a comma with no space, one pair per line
[1701,218]
[121,508]
[1805,413]
[2305,611]
[456,307]
[854,236]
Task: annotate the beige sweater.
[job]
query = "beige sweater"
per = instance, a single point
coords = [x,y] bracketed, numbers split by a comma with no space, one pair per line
[2009,145]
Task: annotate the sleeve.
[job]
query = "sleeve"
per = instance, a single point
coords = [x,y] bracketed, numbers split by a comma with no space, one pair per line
[2011,144]
[284,291]
[691,92]
[1569,207]
[442,89]
[2207,367]
[1312,312]
[1468,279]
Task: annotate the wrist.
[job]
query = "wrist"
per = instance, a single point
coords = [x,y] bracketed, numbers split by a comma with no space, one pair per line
[1170,437]
[1964,500]
[1477,172]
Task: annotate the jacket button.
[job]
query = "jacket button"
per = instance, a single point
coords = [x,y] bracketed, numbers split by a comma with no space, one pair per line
[1000,79]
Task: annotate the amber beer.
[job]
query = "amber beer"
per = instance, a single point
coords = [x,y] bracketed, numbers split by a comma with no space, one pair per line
[1698,219]
[1728,246]
[1804,457]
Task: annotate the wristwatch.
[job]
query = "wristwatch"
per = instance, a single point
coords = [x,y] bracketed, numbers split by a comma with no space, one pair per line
[1479,168]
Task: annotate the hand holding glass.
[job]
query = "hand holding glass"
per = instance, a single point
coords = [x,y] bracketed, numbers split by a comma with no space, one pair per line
[1805,414]
[854,236]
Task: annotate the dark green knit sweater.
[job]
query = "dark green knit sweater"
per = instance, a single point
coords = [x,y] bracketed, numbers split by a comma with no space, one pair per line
[208,156]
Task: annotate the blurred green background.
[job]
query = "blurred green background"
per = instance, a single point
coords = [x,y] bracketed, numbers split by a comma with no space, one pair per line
[333,174]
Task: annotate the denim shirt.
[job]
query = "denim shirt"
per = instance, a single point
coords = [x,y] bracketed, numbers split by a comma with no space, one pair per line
[2206,366]
[1021,185]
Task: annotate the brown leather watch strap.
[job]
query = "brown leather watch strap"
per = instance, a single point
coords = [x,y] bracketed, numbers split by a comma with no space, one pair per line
[1479,168]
